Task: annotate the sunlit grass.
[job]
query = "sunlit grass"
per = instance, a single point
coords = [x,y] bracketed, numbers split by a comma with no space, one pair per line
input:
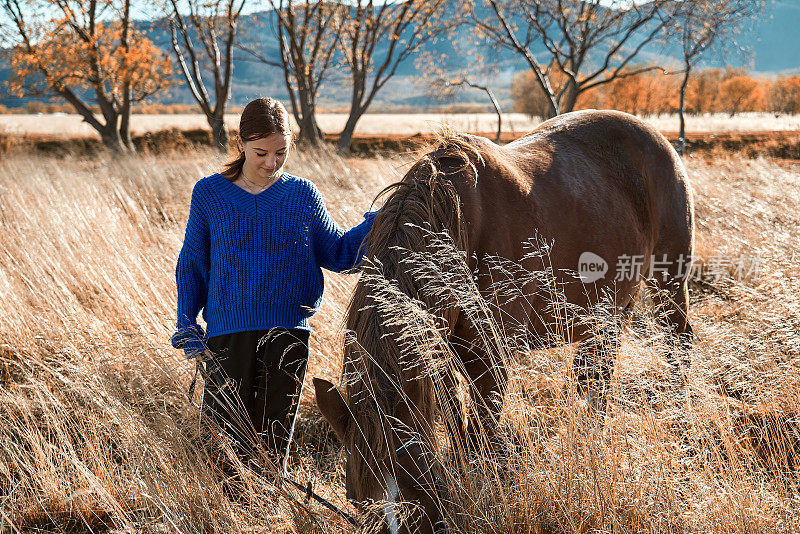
[97,431]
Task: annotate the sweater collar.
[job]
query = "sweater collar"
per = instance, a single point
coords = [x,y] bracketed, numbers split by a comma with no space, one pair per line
[255,202]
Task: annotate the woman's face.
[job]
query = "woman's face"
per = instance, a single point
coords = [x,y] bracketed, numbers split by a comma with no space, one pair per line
[264,158]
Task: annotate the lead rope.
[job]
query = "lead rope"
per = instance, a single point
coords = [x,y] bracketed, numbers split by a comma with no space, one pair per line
[308,491]
[199,369]
[309,494]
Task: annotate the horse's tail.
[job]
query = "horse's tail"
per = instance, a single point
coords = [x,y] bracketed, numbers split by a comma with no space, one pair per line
[423,205]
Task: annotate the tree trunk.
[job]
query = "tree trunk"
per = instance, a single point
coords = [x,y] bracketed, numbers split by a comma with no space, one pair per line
[552,111]
[682,111]
[552,104]
[499,114]
[111,138]
[219,132]
[496,105]
[358,77]
[310,132]
[109,133]
[570,97]
[125,133]
[346,137]
[110,130]
[125,121]
[125,110]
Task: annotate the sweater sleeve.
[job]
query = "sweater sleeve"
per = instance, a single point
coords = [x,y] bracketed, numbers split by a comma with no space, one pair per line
[191,275]
[336,249]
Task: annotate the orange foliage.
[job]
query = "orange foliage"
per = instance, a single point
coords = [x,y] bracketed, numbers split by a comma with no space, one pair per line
[529,98]
[649,93]
[701,93]
[784,95]
[740,93]
[61,58]
[654,92]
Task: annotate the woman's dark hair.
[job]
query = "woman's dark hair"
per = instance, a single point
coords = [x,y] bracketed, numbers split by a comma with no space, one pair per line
[260,118]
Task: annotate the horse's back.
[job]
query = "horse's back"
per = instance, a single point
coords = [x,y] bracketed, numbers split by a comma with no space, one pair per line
[597,173]
[602,182]
[629,156]
[609,147]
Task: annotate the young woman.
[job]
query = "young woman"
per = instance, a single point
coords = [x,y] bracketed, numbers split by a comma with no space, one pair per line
[255,242]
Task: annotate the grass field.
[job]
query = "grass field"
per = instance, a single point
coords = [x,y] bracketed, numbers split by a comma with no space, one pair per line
[98,434]
[395,124]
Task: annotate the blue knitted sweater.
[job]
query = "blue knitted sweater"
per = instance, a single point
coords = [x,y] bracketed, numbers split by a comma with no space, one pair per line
[252,262]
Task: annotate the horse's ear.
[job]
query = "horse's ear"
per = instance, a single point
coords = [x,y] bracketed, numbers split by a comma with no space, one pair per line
[333,407]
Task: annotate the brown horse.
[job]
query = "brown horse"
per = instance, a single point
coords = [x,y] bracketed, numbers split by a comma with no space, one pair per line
[609,196]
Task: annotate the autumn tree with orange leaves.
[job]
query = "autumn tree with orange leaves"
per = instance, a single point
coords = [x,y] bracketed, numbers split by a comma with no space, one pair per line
[86,52]
[702,90]
[783,95]
[529,98]
[647,93]
[740,93]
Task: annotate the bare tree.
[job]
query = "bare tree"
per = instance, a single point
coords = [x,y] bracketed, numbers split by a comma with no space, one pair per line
[592,42]
[701,25]
[307,34]
[84,51]
[204,36]
[444,83]
[375,39]
[465,81]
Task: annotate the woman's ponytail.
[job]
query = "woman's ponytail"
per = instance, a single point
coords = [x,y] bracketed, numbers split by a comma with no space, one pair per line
[233,168]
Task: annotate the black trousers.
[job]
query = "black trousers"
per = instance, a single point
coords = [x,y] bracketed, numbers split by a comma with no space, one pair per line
[253,388]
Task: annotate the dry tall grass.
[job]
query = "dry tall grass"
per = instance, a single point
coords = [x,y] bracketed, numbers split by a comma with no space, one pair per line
[96,426]
[97,432]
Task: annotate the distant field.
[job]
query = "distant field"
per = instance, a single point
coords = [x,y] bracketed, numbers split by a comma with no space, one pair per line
[404,124]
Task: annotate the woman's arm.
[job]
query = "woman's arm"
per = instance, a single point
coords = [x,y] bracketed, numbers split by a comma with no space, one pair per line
[336,249]
[191,276]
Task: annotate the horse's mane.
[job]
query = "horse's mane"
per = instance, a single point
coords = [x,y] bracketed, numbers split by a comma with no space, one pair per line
[376,372]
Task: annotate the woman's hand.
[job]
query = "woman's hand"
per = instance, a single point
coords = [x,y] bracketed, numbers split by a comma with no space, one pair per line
[207,355]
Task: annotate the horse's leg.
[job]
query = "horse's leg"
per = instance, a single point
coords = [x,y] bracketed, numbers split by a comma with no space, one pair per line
[671,298]
[487,384]
[594,363]
[453,411]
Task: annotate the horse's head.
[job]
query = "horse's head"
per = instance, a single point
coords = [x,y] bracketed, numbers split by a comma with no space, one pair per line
[405,472]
